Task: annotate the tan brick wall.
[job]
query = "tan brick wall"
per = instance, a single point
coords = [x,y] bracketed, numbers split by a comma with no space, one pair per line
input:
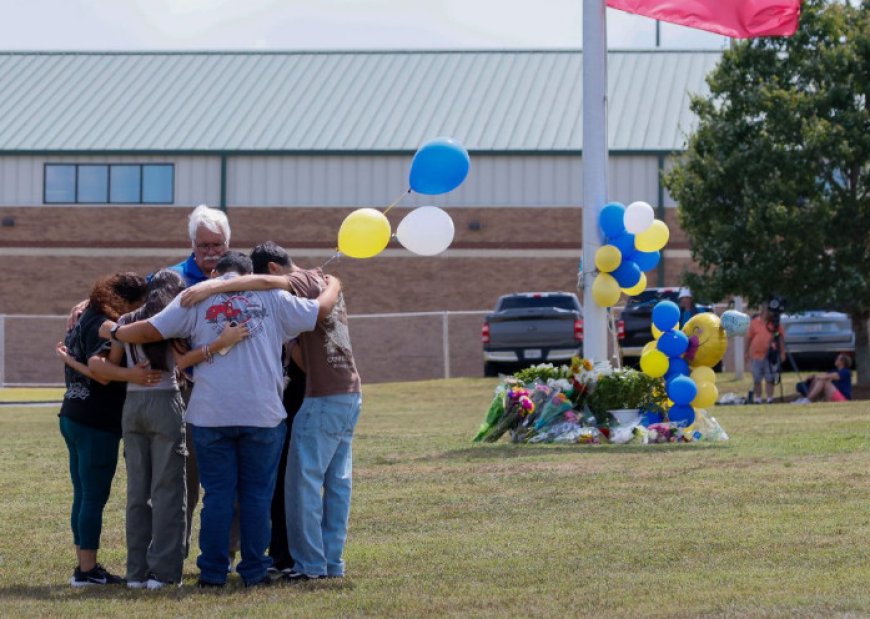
[294,227]
[50,284]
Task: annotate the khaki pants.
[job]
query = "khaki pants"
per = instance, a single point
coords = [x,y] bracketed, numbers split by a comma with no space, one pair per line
[154,450]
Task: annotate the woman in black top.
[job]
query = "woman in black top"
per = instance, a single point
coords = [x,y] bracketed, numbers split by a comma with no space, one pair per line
[90,417]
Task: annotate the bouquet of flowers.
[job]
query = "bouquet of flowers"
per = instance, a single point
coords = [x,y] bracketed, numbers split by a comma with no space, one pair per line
[514,406]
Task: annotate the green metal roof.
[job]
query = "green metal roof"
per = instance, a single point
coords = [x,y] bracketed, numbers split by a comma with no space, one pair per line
[329,102]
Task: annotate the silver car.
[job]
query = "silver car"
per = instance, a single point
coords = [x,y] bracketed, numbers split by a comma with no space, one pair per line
[818,336]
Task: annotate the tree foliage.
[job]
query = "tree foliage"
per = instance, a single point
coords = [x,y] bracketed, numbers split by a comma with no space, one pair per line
[773,188]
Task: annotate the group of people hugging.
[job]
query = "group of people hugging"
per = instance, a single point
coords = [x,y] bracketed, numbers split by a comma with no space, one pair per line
[229,371]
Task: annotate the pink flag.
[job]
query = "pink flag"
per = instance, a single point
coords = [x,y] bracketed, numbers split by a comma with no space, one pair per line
[741,19]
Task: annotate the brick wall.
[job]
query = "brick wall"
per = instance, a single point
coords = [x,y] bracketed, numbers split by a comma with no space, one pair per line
[42,281]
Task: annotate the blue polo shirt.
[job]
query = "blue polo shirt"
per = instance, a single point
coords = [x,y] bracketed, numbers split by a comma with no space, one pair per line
[189,271]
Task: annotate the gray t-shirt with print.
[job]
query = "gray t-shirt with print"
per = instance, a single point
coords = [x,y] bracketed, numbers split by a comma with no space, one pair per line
[244,386]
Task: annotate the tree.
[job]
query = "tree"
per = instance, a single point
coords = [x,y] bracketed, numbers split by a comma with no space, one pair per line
[773,187]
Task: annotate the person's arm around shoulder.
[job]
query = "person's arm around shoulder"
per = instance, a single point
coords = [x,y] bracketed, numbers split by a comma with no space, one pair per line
[203,290]
[327,299]
[140,332]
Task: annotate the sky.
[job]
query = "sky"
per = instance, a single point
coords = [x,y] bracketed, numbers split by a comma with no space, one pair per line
[322,25]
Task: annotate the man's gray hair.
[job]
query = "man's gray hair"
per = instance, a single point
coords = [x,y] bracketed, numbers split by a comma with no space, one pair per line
[211,218]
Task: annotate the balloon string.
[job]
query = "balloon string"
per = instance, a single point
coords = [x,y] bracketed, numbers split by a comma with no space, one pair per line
[397,200]
[334,256]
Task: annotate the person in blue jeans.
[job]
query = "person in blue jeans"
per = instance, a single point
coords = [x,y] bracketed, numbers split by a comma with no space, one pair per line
[235,410]
[318,483]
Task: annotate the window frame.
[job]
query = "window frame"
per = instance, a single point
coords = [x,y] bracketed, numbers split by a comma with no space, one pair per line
[109,166]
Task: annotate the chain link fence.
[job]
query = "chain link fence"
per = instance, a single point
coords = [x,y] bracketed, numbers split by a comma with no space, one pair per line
[387,347]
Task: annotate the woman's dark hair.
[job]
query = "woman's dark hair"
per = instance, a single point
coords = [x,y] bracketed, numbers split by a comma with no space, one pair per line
[113,294]
[164,286]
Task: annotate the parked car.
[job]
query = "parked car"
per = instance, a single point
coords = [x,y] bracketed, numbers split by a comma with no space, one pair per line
[527,328]
[531,327]
[815,338]
[637,319]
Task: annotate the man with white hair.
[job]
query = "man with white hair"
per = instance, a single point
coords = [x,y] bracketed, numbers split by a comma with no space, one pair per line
[209,232]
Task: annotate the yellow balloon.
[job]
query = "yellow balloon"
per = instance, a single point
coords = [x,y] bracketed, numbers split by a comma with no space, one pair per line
[653,238]
[637,288]
[648,347]
[605,290]
[608,258]
[703,374]
[707,395]
[654,363]
[712,339]
[657,333]
[364,233]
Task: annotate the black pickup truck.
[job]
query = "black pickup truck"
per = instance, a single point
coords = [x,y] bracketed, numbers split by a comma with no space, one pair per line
[637,319]
[527,328]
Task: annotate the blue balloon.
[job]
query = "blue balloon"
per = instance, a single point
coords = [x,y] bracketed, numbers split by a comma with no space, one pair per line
[650,417]
[677,366]
[624,243]
[666,315]
[683,415]
[646,260]
[682,390]
[611,220]
[673,343]
[627,274]
[439,166]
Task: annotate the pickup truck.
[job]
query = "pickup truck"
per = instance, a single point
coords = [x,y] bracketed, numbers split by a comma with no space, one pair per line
[637,318]
[527,328]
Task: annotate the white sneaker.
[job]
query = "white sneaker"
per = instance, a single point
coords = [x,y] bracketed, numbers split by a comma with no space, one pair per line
[137,584]
[802,401]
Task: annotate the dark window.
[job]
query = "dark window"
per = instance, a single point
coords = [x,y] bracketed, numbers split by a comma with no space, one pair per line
[60,183]
[524,302]
[126,184]
[109,183]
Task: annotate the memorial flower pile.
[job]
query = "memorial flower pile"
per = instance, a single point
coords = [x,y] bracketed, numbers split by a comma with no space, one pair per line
[587,403]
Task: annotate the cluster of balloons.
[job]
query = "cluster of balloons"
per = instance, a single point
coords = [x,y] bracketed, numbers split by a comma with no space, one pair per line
[685,358]
[633,242]
[439,166]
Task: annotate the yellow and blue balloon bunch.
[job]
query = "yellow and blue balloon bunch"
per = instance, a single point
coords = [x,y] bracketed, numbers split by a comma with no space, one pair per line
[634,239]
[685,358]
[439,166]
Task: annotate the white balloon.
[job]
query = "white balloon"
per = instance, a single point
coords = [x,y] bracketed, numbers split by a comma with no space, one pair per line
[426,231]
[638,217]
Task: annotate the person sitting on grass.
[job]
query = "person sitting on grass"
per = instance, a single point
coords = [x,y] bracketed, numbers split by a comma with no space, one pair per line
[834,386]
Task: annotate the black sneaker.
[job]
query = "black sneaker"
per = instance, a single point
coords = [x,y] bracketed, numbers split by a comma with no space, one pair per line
[96,576]
[293,577]
[204,584]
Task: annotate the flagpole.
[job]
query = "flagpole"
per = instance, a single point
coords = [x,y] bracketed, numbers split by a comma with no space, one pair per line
[594,168]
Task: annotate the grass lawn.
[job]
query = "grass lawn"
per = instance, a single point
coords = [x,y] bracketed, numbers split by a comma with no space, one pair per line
[774,522]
